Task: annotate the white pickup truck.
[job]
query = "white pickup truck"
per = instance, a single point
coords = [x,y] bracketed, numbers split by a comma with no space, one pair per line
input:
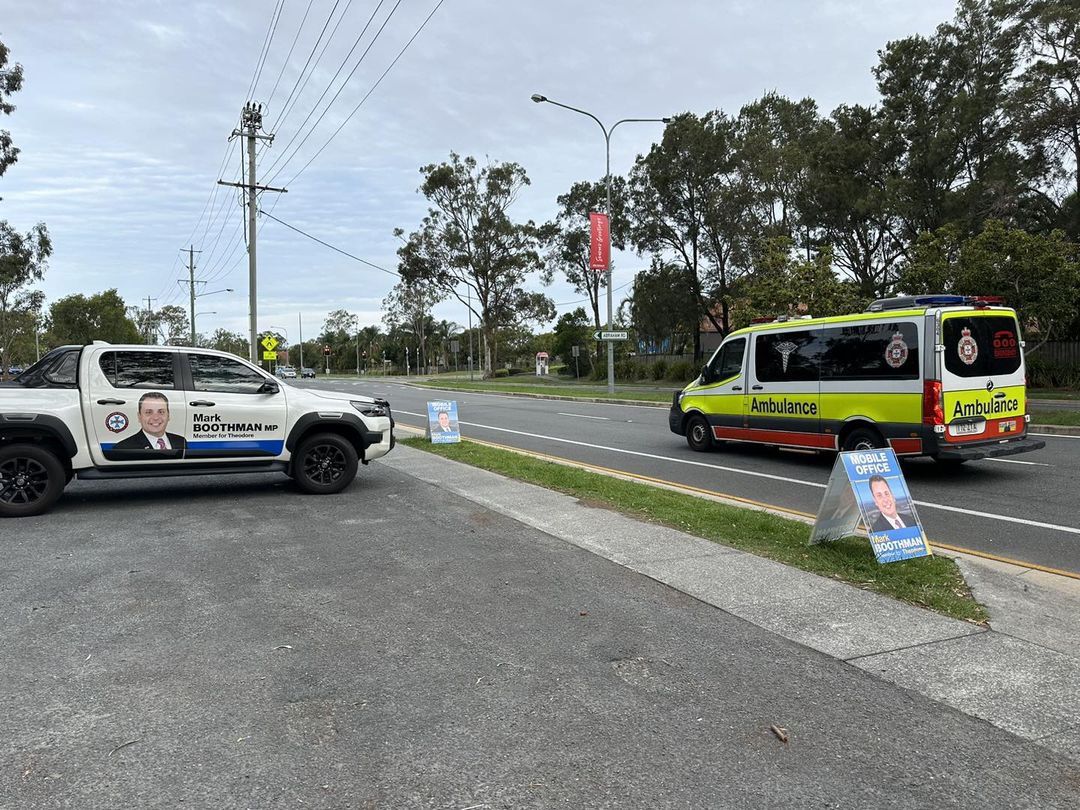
[110,411]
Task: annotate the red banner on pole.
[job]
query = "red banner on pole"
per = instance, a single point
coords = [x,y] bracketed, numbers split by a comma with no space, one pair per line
[599,242]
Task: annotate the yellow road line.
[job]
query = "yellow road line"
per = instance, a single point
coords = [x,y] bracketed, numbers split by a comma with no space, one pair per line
[739,499]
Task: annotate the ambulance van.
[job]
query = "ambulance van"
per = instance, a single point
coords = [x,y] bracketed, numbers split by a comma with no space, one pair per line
[940,376]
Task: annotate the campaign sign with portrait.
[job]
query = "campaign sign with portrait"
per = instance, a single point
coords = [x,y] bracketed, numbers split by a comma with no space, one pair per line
[442,426]
[868,487]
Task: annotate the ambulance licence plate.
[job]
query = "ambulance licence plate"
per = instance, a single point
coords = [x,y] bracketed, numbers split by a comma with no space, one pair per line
[966,429]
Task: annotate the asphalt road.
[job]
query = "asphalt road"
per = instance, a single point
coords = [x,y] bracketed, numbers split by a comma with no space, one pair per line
[1022,508]
[227,642]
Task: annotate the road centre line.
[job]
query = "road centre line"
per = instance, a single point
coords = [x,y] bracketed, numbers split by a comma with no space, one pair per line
[929,504]
[583,416]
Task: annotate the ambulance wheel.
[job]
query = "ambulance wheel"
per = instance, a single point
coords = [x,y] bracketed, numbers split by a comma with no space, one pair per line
[324,464]
[31,479]
[862,439]
[699,434]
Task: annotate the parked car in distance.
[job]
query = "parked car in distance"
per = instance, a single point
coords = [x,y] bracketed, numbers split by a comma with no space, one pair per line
[13,370]
[305,373]
[286,372]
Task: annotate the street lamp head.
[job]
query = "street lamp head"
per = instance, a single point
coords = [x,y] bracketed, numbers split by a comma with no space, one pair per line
[230,289]
[538,98]
[667,119]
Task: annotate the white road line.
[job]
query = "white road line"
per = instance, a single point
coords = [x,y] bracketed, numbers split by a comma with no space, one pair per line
[1054,435]
[756,474]
[583,416]
[1014,461]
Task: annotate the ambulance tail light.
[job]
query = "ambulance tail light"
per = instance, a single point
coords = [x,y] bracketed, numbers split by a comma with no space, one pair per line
[932,413]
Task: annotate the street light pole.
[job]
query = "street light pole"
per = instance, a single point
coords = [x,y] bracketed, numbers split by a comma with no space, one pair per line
[539,99]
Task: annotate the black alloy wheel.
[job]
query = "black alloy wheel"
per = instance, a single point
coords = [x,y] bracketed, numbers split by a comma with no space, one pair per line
[31,479]
[324,464]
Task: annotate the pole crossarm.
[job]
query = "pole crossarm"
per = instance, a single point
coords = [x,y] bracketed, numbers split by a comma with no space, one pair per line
[255,186]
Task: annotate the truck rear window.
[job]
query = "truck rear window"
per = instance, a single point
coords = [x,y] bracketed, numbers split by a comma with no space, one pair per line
[981,346]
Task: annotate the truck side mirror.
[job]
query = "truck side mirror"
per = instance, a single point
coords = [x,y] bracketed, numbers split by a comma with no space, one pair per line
[706,374]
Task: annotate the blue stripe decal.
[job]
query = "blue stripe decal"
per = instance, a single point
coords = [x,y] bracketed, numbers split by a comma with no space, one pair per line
[272,446]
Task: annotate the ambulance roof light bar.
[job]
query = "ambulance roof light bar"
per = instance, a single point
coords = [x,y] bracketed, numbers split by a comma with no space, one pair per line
[918,301]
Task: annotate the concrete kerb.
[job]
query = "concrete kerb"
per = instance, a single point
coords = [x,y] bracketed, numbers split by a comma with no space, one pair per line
[1014,683]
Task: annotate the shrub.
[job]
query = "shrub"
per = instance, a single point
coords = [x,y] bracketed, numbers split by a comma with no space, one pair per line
[659,369]
[682,371]
[1044,373]
[500,372]
[628,368]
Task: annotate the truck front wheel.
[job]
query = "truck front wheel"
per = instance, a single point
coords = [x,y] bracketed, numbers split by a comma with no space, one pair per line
[324,464]
[31,479]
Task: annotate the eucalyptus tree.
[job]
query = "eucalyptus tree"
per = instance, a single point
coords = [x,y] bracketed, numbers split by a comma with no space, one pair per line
[692,203]
[944,100]
[777,137]
[1046,100]
[23,256]
[469,247]
[847,199]
[661,308]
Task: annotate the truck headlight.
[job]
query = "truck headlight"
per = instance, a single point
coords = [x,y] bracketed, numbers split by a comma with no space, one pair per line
[372,408]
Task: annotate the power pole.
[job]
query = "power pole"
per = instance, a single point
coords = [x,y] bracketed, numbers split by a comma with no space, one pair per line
[300,321]
[191,288]
[149,318]
[250,125]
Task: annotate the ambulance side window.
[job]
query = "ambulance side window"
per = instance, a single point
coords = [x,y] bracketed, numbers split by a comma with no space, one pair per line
[728,362]
[787,356]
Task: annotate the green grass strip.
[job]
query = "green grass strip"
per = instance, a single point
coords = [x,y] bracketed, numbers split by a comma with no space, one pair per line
[573,392]
[932,582]
[1048,417]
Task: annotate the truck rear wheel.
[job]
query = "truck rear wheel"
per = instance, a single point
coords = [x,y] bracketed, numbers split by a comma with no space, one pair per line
[31,480]
[324,464]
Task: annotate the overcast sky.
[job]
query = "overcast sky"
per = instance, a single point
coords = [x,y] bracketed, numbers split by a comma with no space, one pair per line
[127,106]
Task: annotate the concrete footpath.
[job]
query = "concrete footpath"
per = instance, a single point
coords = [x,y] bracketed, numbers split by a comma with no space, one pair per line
[1022,676]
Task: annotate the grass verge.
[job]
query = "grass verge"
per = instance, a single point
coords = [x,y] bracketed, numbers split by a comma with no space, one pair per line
[574,392]
[1048,417]
[932,582]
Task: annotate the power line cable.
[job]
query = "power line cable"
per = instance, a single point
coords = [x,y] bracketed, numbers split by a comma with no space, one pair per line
[327,244]
[265,48]
[365,98]
[329,85]
[304,75]
[288,56]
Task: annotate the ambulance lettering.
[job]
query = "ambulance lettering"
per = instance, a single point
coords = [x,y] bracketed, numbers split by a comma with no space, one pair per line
[783,407]
[994,407]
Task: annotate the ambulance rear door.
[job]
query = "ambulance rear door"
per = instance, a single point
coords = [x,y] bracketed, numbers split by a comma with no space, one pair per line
[983,390]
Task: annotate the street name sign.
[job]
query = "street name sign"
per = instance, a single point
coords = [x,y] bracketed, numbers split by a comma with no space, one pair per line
[600,335]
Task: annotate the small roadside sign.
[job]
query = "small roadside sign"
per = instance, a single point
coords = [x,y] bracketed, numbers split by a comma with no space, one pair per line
[269,342]
[601,335]
[269,355]
[868,487]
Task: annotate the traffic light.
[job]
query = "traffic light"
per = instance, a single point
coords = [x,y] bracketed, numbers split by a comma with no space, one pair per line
[326,350]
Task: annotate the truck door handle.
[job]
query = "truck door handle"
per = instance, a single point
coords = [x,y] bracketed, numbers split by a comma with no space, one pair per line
[757,387]
[110,402]
[202,403]
[736,388]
